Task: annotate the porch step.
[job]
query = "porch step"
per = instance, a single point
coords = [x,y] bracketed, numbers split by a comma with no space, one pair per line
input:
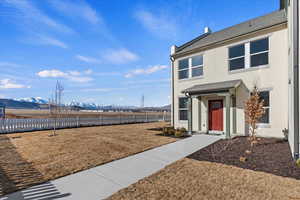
[216,133]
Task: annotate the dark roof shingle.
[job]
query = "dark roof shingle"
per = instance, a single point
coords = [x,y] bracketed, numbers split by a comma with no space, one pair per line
[211,87]
[274,18]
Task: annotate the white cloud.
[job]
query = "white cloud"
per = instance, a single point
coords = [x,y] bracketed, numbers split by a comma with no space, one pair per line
[51,73]
[87,59]
[119,56]
[46,40]
[32,18]
[153,81]
[133,87]
[75,73]
[78,8]
[80,79]
[107,74]
[74,76]
[9,84]
[98,89]
[149,70]
[10,65]
[88,72]
[158,24]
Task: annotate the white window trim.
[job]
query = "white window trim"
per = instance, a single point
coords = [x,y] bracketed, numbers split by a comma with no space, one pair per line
[247,55]
[234,58]
[181,109]
[266,125]
[190,68]
[197,66]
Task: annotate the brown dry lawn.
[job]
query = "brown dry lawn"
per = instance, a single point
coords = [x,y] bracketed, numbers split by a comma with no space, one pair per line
[30,158]
[31,113]
[192,179]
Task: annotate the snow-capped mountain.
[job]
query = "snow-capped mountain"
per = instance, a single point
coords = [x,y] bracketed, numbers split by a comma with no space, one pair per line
[38,100]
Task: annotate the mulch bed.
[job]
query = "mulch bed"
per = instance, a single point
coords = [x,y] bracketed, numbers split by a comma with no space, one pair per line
[268,155]
[173,136]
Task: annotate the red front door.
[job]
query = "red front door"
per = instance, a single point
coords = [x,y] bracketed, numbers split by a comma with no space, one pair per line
[215,115]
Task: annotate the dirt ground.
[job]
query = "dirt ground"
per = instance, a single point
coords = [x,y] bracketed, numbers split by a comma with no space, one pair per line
[30,158]
[271,155]
[31,113]
[193,179]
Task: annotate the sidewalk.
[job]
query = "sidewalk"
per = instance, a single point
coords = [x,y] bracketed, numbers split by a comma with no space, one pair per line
[102,181]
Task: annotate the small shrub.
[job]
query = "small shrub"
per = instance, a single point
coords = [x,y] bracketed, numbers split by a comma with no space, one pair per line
[166,130]
[243,159]
[179,132]
[285,134]
[183,130]
[171,131]
[248,152]
[254,110]
[298,163]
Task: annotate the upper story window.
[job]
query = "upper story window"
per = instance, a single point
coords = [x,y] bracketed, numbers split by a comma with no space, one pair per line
[259,51]
[183,68]
[197,66]
[237,57]
[250,54]
[190,67]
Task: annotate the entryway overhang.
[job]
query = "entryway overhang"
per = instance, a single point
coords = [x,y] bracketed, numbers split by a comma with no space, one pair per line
[213,88]
[226,89]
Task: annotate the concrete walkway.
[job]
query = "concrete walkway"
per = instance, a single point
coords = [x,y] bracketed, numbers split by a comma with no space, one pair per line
[102,181]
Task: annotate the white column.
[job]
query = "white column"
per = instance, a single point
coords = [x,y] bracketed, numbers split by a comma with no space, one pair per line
[227,103]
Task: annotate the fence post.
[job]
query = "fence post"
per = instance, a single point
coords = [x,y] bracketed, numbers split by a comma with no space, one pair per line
[77,121]
[146,117]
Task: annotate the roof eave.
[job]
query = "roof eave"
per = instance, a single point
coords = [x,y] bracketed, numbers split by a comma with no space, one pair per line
[180,54]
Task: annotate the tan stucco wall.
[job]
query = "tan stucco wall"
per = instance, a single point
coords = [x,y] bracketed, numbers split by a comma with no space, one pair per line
[291,74]
[273,77]
[291,78]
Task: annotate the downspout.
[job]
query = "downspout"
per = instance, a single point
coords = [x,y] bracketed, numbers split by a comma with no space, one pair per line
[173,51]
[296,76]
[172,85]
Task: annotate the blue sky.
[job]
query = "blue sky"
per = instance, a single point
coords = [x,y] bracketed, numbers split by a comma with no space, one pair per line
[105,51]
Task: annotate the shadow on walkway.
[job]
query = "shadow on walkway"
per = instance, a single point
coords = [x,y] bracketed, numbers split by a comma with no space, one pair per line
[16,174]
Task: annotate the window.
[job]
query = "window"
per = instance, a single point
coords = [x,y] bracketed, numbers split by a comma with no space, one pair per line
[183,67]
[265,95]
[183,108]
[237,57]
[197,66]
[250,54]
[259,51]
[190,67]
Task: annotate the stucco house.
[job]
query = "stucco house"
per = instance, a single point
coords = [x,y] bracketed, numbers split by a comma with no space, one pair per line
[213,74]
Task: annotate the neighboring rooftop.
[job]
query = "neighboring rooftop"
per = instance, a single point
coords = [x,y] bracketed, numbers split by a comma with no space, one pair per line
[266,21]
